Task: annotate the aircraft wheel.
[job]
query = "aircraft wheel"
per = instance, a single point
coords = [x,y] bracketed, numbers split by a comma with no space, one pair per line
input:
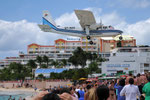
[120,38]
[91,42]
[88,37]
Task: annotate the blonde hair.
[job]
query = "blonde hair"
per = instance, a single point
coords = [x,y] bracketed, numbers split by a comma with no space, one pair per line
[92,94]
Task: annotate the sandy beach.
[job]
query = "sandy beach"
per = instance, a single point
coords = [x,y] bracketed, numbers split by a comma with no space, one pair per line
[18,89]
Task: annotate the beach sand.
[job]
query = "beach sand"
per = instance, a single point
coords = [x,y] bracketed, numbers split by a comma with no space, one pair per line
[24,90]
[18,89]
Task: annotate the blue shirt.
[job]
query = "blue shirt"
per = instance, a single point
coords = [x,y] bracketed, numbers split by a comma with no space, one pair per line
[119,88]
[81,93]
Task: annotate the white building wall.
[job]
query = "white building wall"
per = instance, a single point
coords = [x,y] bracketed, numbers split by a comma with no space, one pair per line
[138,62]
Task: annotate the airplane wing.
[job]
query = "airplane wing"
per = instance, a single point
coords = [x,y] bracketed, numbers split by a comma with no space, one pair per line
[86,18]
[45,28]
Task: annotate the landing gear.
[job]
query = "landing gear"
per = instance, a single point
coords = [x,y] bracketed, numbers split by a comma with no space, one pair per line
[88,37]
[120,38]
[91,42]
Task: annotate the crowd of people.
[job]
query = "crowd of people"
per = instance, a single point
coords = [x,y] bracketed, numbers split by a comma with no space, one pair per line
[129,88]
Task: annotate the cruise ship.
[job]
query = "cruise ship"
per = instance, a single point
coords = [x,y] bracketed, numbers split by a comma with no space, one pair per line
[126,60]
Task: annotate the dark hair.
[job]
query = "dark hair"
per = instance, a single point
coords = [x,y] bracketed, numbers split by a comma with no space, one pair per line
[130,74]
[102,92]
[51,96]
[122,82]
[56,91]
[88,87]
[111,82]
[65,90]
[148,78]
[138,75]
[131,81]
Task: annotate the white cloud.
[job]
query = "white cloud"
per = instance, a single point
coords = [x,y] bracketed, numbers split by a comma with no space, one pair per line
[67,19]
[70,19]
[15,36]
[135,3]
[140,30]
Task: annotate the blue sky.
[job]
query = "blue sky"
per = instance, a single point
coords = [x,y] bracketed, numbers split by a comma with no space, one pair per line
[14,10]
[19,19]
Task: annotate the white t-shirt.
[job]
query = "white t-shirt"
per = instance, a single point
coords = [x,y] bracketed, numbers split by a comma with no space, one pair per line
[130,92]
[77,90]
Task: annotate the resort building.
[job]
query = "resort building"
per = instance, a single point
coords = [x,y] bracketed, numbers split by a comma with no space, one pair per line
[62,49]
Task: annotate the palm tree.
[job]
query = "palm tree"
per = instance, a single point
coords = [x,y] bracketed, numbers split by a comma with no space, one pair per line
[39,60]
[55,63]
[91,57]
[73,60]
[46,60]
[79,57]
[93,67]
[64,62]
[31,64]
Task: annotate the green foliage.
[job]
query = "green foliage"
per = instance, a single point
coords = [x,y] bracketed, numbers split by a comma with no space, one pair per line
[15,71]
[46,60]
[79,57]
[40,76]
[78,74]
[64,62]
[43,66]
[31,64]
[91,57]
[99,59]
[119,44]
[93,67]
[55,63]
[74,74]
[55,76]
[39,60]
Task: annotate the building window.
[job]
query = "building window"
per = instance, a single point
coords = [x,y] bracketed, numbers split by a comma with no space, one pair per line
[114,54]
[146,65]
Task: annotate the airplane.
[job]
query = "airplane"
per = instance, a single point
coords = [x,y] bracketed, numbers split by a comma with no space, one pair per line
[89,27]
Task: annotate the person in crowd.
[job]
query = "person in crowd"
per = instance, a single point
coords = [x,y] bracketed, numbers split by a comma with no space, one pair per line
[86,95]
[112,95]
[40,95]
[20,98]
[35,88]
[77,88]
[81,94]
[139,82]
[51,96]
[10,98]
[102,92]
[127,79]
[73,92]
[146,89]
[130,91]
[67,96]
[92,94]
[119,86]
[143,79]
